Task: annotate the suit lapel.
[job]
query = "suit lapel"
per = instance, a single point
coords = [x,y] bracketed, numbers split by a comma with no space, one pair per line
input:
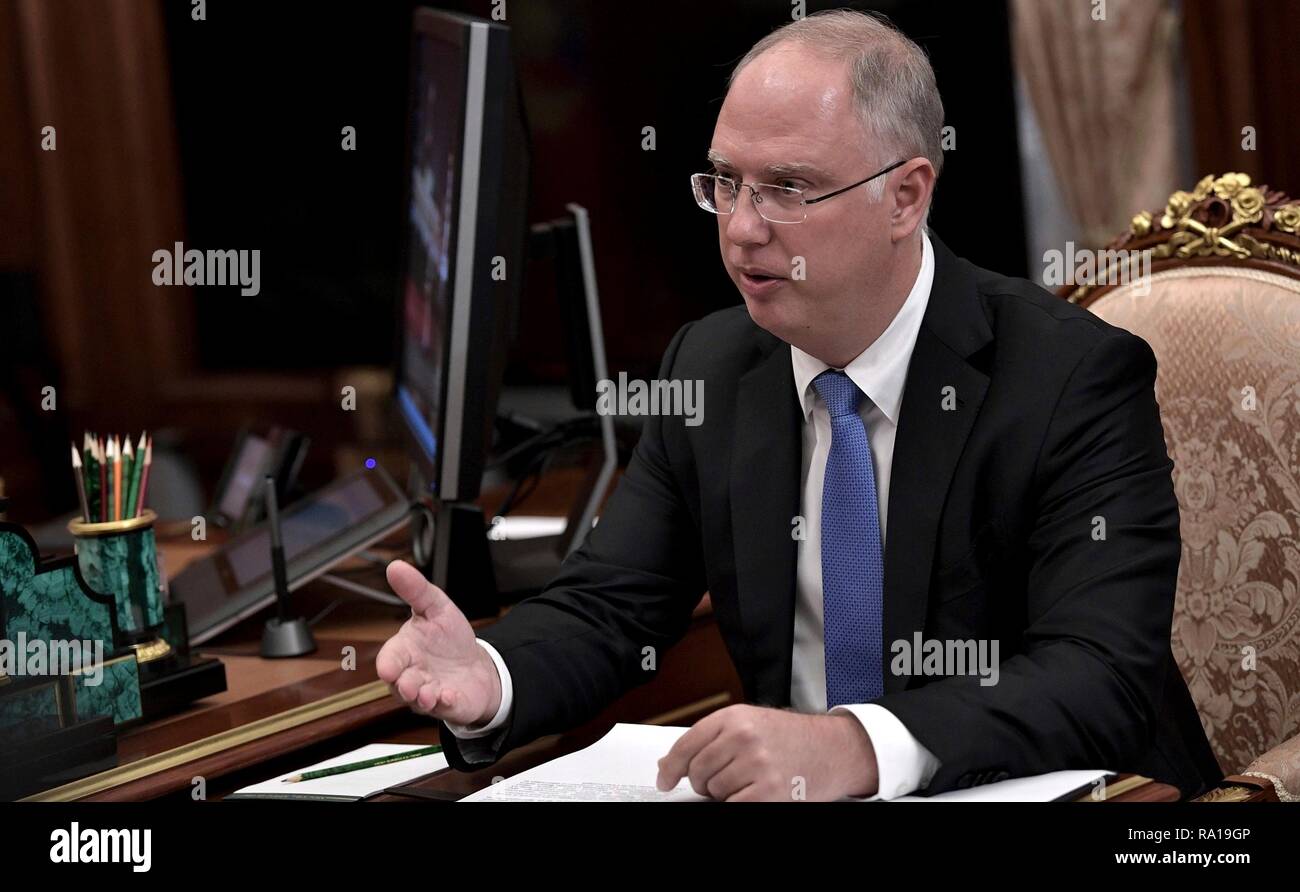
[928,444]
[764,487]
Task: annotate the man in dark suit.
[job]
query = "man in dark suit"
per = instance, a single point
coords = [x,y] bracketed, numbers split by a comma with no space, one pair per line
[904,461]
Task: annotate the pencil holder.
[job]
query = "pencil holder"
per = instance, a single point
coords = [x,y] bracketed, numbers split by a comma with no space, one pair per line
[119,557]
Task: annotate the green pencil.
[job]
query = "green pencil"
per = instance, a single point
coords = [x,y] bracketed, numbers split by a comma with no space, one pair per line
[92,477]
[134,488]
[110,479]
[128,469]
[102,452]
[81,483]
[367,763]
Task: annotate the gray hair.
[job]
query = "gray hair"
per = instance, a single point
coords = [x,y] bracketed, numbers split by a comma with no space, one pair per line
[896,96]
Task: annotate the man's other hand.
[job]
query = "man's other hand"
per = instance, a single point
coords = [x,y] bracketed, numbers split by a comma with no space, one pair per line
[752,753]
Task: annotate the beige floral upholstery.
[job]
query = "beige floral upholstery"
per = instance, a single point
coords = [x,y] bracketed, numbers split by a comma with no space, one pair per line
[1227,340]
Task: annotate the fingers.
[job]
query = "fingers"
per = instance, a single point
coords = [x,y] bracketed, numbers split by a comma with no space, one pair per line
[673,766]
[733,783]
[428,697]
[710,766]
[393,658]
[410,585]
[409,684]
[425,695]
[751,793]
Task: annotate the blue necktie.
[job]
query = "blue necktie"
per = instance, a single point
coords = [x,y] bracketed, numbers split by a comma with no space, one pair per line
[853,567]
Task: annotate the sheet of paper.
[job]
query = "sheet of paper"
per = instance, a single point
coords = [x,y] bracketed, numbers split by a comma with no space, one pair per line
[351,784]
[1039,788]
[622,766]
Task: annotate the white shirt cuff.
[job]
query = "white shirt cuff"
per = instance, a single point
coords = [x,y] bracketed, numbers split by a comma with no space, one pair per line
[902,763]
[467,732]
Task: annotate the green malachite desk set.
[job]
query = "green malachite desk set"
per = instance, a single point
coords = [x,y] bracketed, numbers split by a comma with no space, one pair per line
[86,647]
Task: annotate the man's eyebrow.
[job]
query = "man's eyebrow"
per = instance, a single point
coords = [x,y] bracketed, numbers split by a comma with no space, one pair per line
[793,168]
[779,169]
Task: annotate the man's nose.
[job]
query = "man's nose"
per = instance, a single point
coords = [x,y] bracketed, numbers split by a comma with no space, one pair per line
[745,226]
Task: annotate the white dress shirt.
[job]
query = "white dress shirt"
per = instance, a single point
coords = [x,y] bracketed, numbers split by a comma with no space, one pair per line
[880,372]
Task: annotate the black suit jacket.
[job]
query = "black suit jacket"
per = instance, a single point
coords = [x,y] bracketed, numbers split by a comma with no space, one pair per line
[992,534]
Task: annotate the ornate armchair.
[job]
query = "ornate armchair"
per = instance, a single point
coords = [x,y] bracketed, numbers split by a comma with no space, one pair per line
[1218,299]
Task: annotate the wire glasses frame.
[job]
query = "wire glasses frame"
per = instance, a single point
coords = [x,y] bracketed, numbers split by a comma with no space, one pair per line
[782,201]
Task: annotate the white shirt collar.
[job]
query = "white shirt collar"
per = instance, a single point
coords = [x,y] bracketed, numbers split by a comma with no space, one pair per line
[880,371]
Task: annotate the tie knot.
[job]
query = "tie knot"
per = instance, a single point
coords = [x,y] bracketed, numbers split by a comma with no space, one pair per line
[838,392]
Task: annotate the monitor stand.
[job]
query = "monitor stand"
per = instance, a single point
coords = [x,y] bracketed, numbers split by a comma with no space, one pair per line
[527,550]
[449,545]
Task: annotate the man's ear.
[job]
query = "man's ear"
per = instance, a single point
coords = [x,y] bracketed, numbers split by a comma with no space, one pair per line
[912,192]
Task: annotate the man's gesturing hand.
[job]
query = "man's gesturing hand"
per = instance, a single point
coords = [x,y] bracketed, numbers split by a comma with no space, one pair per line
[753,753]
[433,662]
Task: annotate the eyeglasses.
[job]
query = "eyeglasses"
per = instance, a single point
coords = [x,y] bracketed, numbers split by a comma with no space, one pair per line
[775,204]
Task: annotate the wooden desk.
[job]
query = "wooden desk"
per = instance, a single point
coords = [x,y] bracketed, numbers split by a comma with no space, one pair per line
[278,715]
[449,785]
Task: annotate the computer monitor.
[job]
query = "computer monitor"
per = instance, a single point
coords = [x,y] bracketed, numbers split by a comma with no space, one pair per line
[466,217]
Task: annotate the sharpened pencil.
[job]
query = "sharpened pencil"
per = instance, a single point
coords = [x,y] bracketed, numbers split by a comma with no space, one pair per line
[365,763]
[90,476]
[128,473]
[144,477]
[133,489]
[81,483]
[117,479]
[103,481]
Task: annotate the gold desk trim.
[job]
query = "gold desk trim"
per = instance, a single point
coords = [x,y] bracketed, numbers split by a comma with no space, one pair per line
[207,746]
[1117,789]
[151,650]
[1233,793]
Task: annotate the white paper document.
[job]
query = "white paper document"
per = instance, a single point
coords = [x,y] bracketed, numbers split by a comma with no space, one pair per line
[622,767]
[350,785]
[1039,788]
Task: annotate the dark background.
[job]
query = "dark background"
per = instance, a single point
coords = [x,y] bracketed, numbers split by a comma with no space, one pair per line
[226,133]
[261,93]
